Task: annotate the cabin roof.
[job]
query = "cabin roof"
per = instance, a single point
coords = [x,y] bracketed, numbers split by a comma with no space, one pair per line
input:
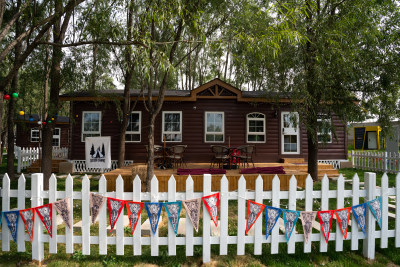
[26,117]
[210,90]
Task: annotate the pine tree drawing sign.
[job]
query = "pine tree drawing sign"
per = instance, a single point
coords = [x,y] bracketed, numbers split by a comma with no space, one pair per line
[98,154]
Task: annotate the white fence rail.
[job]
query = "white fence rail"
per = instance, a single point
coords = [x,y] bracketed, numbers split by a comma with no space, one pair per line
[283,199]
[376,161]
[80,166]
[27,155]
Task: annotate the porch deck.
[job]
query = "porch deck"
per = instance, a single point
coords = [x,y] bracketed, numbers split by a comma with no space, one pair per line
[128,173]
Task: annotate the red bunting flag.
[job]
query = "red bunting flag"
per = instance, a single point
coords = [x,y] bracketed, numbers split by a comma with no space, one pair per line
[343,218]
[115,206]
[212,202]
[325,219]
[28,216]
[45,214]
[254,210]
[134,210]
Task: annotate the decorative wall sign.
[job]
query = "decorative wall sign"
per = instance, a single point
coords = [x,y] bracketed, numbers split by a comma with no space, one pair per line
[376,209]
[134,210]
[343,218]
[325,219]
[212,203]
[98,152]
[12,223]
[174,212]
[307,220]
[360,213]
[153,211]
[271,217]
[192,207]
[115,206]
[290,218]
[254,210]
[96,203]
[45,213]
[28,217]
[63,208]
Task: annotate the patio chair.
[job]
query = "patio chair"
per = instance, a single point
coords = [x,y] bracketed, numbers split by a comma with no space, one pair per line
[246,154]
[158,154]
[221,156]
[176,155]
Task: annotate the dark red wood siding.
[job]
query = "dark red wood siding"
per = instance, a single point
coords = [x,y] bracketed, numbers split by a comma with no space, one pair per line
[23,134]
[193,130]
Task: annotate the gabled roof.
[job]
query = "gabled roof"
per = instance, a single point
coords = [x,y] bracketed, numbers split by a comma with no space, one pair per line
[214,89]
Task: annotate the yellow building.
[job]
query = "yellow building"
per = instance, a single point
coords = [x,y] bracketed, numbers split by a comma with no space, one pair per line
[367,137]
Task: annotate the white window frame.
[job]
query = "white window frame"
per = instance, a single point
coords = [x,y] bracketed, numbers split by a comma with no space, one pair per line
[35,130]
[136,132]
[292,131]
[83,122]
[223,127]
[57,137]
[171,132]
[248,133]
[328,120]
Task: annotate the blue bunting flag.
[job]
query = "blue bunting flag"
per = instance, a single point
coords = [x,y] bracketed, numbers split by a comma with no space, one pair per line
[153,210]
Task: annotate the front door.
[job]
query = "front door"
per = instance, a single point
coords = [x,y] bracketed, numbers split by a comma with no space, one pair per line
[290,133]
[372,144]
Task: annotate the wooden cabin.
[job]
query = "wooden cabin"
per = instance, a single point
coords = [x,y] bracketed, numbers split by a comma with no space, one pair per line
[215,113]
[28,131]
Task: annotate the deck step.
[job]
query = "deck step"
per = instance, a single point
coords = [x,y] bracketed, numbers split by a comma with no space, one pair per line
[293,160]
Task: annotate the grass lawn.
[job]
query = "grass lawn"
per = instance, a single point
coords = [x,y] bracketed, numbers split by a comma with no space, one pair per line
[384,257]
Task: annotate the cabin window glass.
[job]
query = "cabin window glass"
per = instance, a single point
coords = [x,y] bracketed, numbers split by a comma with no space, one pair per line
[214,127]
[324,131]
[172,126]
[56,137]
[256,128]
[133,132]
[91,124]
[290,133]
[35,135]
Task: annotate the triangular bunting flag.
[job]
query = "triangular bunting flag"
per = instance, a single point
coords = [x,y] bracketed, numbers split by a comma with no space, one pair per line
[153,211]
[325,219]
[360,213]
[174,213]
[96,203]
[45,214]
[290,218]
[28,217]
[254,210]
[134,210]
[63,208]
[192,207]
[307,220]
[343,218]
[212,202]
[12,223]
[115,206]
[271,217]
[376,208]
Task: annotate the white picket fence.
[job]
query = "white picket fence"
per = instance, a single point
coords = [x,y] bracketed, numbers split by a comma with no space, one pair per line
[376,161]
[80,166]
[27,155]
[37,195]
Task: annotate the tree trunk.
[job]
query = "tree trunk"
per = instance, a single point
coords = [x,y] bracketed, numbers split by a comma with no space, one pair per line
[150,152]
[70,128]
[312,156]
[10,135]
[46,79]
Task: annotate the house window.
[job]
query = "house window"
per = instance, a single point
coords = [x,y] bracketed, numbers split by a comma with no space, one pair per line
[290,133]
[133,132]
[256,128]
[214,130]
[91,124]
[172,126]
[56,137]
[324,132]
[35,135]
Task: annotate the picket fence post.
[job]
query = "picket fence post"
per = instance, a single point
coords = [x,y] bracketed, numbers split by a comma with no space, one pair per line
[171,233]
[223,244]
[154,198]
[323,247]
[355,201]
[119,225]
[241,224]
[103,218]
[37,200]
[5,233]
[385,166]
[309,206]
[52,198]
[397,227]
[292,206]
[189,226]
[206,220]
[137,235]
[385,226]
[339,205]
[276,187]
[69,192]
[369,241]
[21,206]
[352,158]
[85,216]
[258,235]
